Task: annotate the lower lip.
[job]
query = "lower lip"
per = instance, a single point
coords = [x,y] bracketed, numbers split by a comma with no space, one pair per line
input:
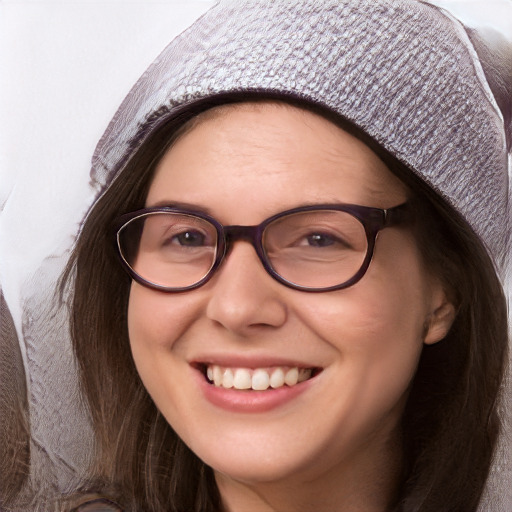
[248,401]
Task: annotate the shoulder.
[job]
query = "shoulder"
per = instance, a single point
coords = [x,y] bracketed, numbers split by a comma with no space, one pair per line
[98,505]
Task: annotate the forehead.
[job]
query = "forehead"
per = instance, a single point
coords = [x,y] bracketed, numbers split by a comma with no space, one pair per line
[286,155]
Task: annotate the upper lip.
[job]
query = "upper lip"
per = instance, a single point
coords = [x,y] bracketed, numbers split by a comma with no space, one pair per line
[249,361]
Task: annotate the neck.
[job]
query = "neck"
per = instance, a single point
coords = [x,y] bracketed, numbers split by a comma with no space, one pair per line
[367,484]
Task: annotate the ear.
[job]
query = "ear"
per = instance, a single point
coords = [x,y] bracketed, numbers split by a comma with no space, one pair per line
[440,319]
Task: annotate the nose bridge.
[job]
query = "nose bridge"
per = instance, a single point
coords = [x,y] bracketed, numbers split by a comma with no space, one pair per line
[246,233]
[241,298]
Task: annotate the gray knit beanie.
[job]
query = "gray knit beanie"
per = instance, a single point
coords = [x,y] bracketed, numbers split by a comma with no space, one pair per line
[402,70]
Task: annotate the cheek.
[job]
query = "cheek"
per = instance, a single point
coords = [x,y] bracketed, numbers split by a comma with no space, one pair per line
[377,325]
[375,312]
[395,297]
[156,321]
[379,342]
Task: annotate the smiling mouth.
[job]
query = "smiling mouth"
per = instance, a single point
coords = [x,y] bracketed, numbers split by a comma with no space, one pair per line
[257,379]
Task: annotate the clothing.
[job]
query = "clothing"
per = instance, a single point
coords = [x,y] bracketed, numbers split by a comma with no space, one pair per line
[98,505]
[401,56]
[446,115]
[428,69]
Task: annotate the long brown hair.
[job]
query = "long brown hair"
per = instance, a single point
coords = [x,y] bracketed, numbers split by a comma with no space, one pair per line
[450,425]
[14,414]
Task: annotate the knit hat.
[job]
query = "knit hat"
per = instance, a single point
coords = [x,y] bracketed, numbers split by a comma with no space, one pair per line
[402,70]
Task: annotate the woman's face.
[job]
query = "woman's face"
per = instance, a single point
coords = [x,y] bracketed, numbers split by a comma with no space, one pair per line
[242,164]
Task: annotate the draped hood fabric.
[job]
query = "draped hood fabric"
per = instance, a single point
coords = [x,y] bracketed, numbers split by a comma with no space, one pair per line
[406,74]
[404,71]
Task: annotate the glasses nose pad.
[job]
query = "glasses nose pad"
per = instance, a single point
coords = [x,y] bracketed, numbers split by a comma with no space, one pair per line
[234,234]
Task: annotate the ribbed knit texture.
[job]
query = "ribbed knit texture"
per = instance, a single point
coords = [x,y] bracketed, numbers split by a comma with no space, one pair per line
[400,69]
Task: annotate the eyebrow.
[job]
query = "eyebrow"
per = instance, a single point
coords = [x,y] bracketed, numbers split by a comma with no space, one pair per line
[195,208]
[181,205]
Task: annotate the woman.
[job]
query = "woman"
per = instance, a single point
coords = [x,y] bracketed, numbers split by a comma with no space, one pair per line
[286,296]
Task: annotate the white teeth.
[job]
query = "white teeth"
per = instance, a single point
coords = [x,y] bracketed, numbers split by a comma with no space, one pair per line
[277,378]
[228,379]
[291,377]
[242,379]
[258,379]
[217,376]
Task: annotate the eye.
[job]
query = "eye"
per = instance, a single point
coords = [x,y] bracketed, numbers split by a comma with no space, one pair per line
[319,240]
[189,239]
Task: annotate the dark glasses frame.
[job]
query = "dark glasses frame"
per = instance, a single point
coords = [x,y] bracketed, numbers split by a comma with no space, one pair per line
[372,219]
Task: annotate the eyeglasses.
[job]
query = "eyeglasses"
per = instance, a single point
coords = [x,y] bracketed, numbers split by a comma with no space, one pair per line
[311,248]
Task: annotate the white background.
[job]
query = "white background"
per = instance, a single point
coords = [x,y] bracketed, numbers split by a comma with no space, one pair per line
[65,67]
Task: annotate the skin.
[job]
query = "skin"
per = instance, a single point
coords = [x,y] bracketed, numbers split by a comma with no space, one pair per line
[336,445]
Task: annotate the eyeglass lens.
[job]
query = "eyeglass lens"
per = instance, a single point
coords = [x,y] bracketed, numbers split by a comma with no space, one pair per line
[312,249]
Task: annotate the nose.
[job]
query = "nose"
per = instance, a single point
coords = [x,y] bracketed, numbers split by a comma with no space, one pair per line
[243,296]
